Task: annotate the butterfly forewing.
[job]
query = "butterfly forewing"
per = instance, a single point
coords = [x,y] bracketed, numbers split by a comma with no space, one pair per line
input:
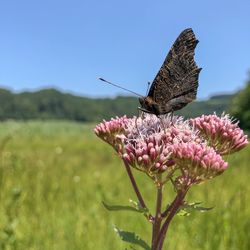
[176,83]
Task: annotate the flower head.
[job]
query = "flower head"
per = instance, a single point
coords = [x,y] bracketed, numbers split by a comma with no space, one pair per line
[155,145]
[112,131]
[149,141]
[150,155]
[198,161]
[221,133]
[171,129]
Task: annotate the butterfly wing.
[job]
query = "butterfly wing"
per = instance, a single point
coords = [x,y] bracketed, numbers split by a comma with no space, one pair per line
[178,75]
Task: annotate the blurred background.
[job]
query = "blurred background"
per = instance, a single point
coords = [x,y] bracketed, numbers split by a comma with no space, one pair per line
[51,55]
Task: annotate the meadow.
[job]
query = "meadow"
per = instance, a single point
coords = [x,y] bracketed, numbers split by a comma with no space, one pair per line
[54,175]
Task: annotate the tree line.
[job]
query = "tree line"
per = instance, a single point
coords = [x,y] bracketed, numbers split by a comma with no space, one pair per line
[53,104]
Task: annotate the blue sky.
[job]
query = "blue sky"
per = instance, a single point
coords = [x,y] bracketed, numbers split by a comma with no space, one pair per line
[68,44]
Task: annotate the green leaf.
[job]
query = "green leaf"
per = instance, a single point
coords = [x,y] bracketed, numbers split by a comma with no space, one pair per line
[187,207]
[137,205]
[136,208]
[195,206]
[183,212]
[132,238]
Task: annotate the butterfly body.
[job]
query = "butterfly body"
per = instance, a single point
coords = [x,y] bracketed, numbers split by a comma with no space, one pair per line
[148,105]
[176,83]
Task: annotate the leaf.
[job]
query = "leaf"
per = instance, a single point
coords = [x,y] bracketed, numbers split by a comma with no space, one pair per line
[187,207]
[124,208]
[195,206]
[138,206]
[132,238]
[183,212]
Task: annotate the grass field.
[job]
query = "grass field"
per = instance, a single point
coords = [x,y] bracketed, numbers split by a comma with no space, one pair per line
[54,175]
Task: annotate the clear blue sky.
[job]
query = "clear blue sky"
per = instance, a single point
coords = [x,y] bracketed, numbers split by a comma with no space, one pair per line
[68,44]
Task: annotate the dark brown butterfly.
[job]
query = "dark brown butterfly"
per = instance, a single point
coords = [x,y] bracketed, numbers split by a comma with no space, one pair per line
[176,83]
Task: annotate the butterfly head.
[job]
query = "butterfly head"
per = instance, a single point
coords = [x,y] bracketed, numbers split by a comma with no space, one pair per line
[148,105]
[146,101]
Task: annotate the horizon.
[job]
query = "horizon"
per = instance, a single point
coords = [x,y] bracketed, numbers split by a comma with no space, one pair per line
[62,91]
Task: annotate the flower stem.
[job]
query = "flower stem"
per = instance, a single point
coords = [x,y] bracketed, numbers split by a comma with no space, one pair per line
[136,189]
[171,212]
[158,218]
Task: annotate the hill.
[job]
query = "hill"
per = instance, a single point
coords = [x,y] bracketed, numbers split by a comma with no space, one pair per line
[216,103]
[53,104]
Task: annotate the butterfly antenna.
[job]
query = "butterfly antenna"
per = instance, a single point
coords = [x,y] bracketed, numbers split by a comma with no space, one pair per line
[148,87]
[118,86]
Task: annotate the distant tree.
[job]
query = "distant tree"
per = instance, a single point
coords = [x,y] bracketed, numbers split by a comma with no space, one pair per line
[241,106]
[53,104]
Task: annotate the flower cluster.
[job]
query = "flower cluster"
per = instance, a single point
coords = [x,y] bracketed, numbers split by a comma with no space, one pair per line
[221,133]
[112,131]
[192,149]
[150,154]
[149,141]
[170,129]
[198,161]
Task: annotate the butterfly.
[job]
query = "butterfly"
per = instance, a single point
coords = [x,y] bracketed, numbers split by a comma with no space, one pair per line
[176,83]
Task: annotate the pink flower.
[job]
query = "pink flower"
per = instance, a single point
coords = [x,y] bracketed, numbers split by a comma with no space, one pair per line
[170,129]
[155,145]
[112,131]
[150,155]
[198,161]
[221,133]
[149,142]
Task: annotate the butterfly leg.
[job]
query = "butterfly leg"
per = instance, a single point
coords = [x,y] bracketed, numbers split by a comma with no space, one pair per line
[162,123]
[171,118]
[136,124]
[140,115]
[144,110]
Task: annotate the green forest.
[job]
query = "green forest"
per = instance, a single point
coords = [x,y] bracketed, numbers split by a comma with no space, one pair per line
[53,104]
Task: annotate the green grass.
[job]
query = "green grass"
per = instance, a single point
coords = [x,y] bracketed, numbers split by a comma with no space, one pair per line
[54,175]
